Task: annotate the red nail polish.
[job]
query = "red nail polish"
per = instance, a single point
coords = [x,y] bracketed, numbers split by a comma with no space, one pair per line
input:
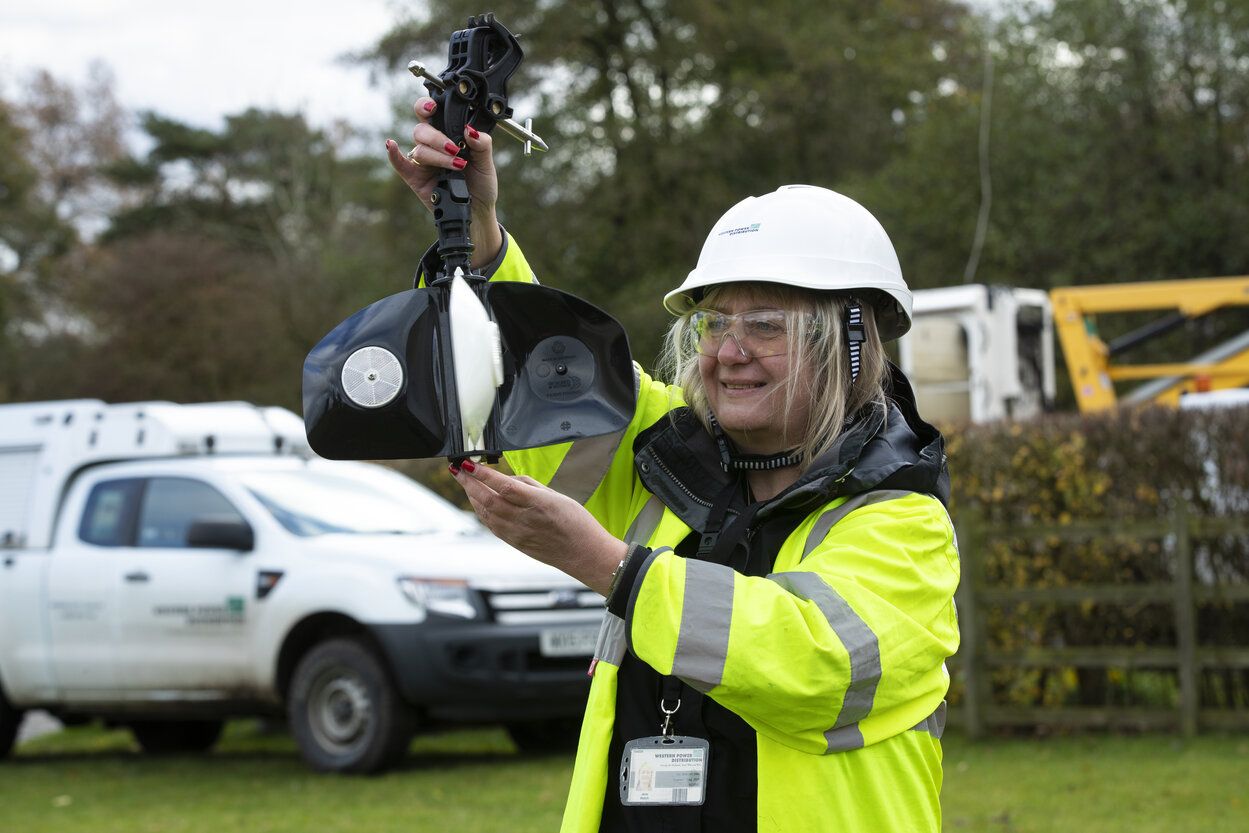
[468,466]
[473,132]
[453,468]
[429,106]
[459,164]
[451,148]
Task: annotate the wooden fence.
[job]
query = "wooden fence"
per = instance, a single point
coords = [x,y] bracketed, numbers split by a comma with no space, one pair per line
[976,657]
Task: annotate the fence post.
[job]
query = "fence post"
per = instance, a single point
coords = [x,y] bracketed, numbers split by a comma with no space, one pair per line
[1185,622]
[970,533]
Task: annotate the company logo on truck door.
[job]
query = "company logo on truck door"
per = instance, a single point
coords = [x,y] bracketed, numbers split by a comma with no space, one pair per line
[231,613]
[77,611]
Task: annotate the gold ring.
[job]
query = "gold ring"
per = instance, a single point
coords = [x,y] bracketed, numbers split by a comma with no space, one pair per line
[412,156]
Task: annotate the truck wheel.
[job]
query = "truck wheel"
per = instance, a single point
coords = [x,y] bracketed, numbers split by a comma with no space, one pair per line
[344,712]
[10,721]
[169,737]
[545,737]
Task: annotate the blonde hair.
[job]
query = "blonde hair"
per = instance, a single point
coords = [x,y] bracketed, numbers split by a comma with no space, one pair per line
[816,334]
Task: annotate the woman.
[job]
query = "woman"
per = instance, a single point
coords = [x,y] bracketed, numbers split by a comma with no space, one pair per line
[770,534]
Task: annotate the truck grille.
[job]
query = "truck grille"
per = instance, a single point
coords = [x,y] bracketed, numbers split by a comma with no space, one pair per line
[560,606]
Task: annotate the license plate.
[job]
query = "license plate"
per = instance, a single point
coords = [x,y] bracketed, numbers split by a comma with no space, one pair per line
[568,642]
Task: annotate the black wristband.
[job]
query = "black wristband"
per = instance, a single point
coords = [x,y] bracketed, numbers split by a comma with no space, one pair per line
[626,574]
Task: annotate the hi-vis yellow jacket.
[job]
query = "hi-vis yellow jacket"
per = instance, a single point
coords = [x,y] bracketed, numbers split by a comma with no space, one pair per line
[835,657]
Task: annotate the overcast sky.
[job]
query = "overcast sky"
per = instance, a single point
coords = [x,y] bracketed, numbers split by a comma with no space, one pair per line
[198,61]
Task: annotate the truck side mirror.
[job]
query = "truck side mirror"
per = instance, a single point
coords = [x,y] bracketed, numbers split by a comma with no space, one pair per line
[221,534]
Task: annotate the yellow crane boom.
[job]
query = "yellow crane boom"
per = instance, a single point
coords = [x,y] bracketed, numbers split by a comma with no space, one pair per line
[1090,360]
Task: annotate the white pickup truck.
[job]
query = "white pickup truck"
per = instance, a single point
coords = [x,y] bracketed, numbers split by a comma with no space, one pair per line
[167,566]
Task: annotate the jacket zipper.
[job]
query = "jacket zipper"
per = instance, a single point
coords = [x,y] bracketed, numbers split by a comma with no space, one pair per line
[679,484]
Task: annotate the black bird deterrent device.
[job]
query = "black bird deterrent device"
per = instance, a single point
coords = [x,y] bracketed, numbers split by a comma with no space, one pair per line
[386,382]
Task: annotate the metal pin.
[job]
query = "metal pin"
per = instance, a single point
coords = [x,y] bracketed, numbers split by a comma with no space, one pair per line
[418,69]
[521,133]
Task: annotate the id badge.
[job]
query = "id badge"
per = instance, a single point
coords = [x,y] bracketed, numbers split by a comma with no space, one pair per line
[664,771]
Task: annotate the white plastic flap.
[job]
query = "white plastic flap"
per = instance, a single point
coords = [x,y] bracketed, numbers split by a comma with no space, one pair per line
[478,358]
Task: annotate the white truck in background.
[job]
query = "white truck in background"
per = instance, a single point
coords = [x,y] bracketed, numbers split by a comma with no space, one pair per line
[167,566]
[979,353]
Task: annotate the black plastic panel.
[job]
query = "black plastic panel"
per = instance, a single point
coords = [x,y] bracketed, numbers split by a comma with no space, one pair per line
[568,374]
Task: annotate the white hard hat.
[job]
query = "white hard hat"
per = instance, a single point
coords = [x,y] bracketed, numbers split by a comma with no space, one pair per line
[805,236]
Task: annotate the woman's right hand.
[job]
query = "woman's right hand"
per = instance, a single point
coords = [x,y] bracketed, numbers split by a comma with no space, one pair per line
[434,152]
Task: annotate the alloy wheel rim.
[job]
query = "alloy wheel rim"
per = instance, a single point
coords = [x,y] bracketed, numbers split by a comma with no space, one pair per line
[340,710]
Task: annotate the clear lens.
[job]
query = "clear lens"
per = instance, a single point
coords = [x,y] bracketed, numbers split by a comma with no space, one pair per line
[758,333]
[449,597]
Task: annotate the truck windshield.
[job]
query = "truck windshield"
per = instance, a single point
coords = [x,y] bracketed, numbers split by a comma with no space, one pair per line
[313,502]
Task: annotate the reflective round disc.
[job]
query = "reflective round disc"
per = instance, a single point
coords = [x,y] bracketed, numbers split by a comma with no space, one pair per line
[372,377]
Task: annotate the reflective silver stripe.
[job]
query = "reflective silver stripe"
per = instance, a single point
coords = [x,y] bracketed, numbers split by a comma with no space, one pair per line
[859,642]
[844,739]
[584,466]
[836,514]
[611,640]
[933,724]
[707,611]
[645,524]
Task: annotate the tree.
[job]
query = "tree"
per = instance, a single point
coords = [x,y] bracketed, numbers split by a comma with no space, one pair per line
[266,227]
[182,317]
[75,135]
[53,138]
[220,258]
[21,215]
[663,113]
[1118,150]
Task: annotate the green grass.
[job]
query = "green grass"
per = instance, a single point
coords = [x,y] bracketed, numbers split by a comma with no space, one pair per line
[1097,784]
[89,780]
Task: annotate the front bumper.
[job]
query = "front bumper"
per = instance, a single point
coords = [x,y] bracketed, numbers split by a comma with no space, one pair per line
[482,671]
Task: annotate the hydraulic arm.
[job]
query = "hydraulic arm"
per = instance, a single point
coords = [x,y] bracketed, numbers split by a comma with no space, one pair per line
[1092,362]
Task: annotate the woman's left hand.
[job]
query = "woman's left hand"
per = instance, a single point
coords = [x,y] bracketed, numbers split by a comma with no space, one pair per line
[543,524]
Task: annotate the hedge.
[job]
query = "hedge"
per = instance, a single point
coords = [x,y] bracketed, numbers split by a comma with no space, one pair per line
[1126,466]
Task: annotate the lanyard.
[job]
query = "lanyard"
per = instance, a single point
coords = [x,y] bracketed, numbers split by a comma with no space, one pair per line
[669,703]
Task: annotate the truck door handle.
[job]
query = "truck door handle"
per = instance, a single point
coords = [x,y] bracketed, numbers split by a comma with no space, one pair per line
[137,576]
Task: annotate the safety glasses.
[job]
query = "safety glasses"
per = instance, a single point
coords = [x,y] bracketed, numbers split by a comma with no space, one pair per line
[758,333]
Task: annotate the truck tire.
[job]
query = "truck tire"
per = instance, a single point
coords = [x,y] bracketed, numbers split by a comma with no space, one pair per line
[10,722]
[344,711]
[170,737]
[545,737]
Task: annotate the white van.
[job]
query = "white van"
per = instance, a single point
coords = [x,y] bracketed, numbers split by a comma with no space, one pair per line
[167,566]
